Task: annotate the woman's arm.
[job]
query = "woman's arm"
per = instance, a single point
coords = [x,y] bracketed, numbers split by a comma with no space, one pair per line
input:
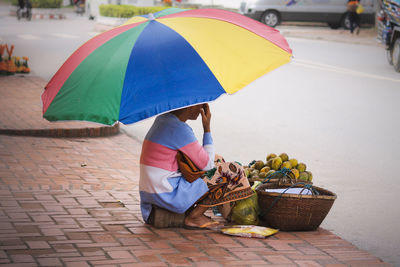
[202,156]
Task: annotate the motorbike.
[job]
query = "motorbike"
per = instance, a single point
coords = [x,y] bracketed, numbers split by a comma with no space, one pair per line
[24,10]
[79,6]
[389,30]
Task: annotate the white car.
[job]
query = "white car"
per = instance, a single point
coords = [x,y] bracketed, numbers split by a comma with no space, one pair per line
[333,12]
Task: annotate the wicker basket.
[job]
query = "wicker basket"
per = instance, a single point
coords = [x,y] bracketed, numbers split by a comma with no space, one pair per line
[292,212]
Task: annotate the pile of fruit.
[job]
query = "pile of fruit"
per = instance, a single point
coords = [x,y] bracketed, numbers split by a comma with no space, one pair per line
[260,170]
[10,64]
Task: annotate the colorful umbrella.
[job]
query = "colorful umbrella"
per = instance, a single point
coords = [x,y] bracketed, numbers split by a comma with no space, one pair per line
[156,63]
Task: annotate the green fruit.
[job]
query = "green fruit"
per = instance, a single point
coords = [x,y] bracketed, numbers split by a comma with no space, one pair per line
[301,167]
[265,169]
[269,163]
[276,163]
[303,176]
[262,174]
[310,177]
[254,173]
[293,162]
[259,164]
[247,172]
[271,156]
[284,157]
[286,164]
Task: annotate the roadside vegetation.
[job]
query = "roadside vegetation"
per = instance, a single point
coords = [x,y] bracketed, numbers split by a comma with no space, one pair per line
[42,3]
[127,11]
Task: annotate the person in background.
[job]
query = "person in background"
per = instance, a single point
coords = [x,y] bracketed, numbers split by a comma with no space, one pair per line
[353,16]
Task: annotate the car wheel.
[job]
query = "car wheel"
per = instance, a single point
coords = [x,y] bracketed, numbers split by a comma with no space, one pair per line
[271,18]
[396,55]
[346,21]
[389,56]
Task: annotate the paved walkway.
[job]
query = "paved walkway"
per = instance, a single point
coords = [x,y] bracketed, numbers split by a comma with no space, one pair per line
[22,116]
[74,202]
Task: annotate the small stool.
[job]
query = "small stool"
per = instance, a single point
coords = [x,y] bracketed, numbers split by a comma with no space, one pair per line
[162,218]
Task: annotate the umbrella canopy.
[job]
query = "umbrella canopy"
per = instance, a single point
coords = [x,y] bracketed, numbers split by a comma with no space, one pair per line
[156,63]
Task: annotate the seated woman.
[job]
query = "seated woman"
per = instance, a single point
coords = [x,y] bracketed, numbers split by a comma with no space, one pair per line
[161,182]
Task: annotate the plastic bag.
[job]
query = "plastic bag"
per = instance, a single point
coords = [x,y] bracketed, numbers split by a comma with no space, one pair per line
[246,211]
[360,9]
[249,231]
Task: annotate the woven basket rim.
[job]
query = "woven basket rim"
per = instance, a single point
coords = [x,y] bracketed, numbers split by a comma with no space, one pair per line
[327,194]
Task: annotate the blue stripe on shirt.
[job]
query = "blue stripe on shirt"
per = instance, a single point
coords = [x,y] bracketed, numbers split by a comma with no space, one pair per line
[169,131]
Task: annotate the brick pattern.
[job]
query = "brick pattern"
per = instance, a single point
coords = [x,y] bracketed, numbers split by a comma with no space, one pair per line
[21,112]
[75,202]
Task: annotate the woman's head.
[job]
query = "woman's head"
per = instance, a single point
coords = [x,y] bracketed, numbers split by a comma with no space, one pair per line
[188,113]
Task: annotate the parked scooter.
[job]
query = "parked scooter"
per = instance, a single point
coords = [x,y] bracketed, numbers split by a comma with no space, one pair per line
[389,30]
[79,6]
[24,9]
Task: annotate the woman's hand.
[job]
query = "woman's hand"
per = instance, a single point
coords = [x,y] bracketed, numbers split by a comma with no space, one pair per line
[206,117]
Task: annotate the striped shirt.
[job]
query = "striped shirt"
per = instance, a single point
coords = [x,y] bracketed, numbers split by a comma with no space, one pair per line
[161,183]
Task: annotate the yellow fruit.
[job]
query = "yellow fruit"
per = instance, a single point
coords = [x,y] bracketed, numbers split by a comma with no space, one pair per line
[265,169]
[301,167]
[303,176]
[270,172]
[293,162]
[309,176]
[286,164]
[259,164]
[276,163]
[296,173]
[284,157]
[271,156]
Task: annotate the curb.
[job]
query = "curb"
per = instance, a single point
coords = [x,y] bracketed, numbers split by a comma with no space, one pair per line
[42,13]
[65,132]
[48,16]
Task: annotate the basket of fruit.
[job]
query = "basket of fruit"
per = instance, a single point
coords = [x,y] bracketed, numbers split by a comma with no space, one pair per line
[293,207]
[274,170]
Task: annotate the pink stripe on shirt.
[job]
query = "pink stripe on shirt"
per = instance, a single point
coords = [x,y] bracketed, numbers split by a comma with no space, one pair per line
[196,153]
[159,156]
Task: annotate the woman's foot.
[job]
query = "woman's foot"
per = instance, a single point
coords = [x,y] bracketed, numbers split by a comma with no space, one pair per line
[200,222]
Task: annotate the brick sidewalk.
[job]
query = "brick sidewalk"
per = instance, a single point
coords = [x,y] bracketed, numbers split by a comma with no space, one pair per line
[75,202]
[21,112]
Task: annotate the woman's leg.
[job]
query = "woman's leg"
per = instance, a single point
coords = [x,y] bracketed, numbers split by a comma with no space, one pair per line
[225,210]
[196,218]
[351,21]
